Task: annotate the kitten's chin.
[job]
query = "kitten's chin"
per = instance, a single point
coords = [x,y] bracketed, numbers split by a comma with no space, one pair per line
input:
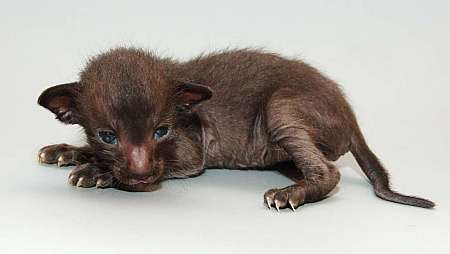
[130,182]
[139,187]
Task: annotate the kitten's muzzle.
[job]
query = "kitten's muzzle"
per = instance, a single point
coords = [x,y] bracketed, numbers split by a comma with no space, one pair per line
[127,176]
[139,162]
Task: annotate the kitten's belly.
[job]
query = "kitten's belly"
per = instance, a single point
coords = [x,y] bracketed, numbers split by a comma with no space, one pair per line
[242,152]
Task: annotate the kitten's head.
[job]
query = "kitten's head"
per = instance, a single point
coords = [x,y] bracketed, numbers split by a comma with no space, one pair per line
[136,118]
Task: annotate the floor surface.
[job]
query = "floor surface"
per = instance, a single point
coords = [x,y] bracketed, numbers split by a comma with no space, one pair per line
[391,58]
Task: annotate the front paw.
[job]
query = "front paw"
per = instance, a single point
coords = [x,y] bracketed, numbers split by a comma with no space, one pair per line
[88,175]
[292,196]
[62,155]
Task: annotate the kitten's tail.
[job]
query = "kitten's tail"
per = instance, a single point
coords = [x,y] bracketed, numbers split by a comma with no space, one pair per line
[378,176]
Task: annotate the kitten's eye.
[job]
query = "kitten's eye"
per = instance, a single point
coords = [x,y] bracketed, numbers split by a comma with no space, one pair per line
[161,132]
[108,137]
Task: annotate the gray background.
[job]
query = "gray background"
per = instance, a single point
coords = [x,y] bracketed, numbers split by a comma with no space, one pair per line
[391,57]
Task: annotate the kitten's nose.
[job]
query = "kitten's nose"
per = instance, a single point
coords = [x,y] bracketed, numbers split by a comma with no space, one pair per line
[138,160]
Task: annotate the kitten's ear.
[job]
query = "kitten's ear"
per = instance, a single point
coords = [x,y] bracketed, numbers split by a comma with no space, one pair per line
[190,94]
[61,100]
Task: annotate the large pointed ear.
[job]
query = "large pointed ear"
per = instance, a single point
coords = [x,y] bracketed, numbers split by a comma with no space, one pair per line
[61,100]
[189,94]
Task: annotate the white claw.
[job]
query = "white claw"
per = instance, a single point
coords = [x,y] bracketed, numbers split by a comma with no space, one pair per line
[268,203]
[71,178]
[292,206]
[80,181]
[99,183]
[277,205]
[60,161]
[41,157]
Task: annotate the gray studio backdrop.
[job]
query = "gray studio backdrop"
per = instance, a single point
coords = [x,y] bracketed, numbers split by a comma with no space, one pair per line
[392,59]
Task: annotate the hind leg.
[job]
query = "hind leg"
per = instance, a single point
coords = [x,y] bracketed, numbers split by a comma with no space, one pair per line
[288,169]
[286,128]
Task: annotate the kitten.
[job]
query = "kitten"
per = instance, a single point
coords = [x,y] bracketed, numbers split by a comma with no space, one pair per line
[148,119]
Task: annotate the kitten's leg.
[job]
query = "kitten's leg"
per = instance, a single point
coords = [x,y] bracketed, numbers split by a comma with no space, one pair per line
[288,169]
[286,129]
[64,155]
[89,175]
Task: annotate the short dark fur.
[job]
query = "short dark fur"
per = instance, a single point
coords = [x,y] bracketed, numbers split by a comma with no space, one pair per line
[253,110]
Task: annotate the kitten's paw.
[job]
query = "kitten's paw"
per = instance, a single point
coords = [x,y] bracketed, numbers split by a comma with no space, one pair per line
[291,196]
[88,175]
[61,154]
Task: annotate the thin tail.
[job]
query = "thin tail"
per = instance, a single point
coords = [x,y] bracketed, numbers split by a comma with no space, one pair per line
[378,176]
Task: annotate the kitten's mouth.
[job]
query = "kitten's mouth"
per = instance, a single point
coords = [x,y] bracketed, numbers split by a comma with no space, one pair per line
[147,180]
[139,187]
[132,180]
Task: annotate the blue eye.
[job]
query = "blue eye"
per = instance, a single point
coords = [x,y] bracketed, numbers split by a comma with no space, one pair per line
[161,132]
[108,137]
